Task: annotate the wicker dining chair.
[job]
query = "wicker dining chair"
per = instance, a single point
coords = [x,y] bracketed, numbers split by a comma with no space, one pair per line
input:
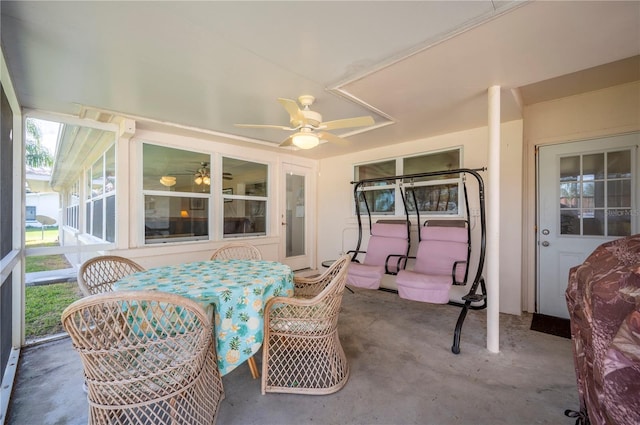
[302,351]
[98,274]
[148,358]
[238,251]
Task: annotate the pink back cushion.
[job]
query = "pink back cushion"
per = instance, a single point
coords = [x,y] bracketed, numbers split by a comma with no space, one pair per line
[386,239]
[439,248]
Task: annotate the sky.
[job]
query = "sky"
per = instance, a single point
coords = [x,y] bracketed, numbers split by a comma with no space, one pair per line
[49,132]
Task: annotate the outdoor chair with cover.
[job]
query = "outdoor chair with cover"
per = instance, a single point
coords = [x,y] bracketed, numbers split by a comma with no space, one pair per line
[238,251]
[441,261]
[302,351]
[98,274]
[148,358]
[386,253]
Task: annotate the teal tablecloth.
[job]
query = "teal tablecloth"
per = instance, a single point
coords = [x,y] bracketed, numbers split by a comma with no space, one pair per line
[238,289]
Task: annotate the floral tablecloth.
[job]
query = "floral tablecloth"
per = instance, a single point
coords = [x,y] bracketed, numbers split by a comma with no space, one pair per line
[238,291]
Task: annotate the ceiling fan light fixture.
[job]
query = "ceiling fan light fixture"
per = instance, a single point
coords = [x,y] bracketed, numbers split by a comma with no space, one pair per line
[203,175]
[305,140]
[168,181]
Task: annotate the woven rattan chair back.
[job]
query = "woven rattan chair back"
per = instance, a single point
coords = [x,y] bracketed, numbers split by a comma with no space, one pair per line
[148,358]
[302,351]
[237,251]
[98,274]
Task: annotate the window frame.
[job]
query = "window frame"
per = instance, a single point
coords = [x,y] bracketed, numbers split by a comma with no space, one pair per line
[103,198]
[398,185]
[226,197]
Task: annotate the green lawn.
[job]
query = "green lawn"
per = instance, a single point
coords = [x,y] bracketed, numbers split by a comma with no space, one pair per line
[37,236]
[44,306]
[45,303]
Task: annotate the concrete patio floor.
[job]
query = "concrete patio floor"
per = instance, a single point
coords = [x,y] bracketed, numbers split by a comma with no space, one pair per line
[402,372]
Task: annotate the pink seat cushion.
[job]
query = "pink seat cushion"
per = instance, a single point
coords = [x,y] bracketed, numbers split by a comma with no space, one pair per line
[439,248]
[364,276]
[430,280]
[386,239]
[422,287]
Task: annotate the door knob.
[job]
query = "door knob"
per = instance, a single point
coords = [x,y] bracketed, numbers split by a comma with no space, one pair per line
[545,243]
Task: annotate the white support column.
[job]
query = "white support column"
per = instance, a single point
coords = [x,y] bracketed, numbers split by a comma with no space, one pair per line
[493,223]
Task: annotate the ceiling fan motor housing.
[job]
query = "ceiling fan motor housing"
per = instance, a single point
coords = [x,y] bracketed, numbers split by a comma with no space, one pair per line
[311,118]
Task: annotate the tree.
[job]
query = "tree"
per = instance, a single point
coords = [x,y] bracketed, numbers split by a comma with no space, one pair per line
[36,154]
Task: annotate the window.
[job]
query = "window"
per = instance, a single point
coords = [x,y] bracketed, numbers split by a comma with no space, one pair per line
[73,205]
[435,195]
[244,192]
[100,198]
[596,194]
[177,190]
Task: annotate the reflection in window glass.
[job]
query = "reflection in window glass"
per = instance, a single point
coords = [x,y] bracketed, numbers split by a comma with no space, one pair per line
[244,218]
[442,198]
[175,170]
[379,201]
[618,165]
[170,179]
[593,166]
[175,218]
[619,222]
[240,177]
[244,193]
[439,161]
[569,168]
[110,170]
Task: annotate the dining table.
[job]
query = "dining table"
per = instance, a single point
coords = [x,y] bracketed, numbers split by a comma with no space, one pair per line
[234,293]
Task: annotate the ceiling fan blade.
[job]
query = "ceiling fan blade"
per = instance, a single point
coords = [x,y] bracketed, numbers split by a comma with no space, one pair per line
[278,127]
[288,142]
[295,114]
[323,135]
[347,122]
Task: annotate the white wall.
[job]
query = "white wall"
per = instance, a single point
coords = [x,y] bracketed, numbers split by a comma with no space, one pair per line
[46,203]
[337,226]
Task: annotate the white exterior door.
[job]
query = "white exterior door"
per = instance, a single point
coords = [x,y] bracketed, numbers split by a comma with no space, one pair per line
[296,222]
[587,192]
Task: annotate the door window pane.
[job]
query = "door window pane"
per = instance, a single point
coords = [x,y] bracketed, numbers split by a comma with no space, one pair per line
[618,165]
[619,222]
[295,215]
[569,168]
[595,194]
[569,221]
[569,195]
[593,166]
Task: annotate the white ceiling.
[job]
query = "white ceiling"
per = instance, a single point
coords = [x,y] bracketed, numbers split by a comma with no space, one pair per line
[420,68]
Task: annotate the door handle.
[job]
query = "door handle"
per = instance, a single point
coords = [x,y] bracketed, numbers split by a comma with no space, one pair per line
[545,243]
[284,223]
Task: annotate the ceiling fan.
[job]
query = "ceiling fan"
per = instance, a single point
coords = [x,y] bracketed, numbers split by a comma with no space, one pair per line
[308,126]
[200,176]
